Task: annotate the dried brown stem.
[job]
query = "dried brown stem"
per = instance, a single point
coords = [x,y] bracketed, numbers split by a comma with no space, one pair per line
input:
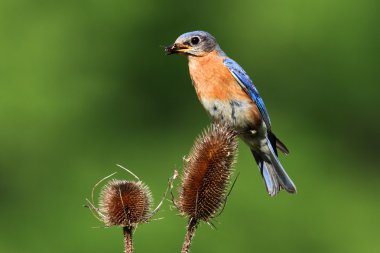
[127,231]
[191,227]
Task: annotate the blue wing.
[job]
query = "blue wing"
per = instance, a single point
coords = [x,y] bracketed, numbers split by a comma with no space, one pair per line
[246,83]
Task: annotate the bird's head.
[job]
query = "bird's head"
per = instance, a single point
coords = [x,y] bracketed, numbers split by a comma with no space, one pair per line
[197,43]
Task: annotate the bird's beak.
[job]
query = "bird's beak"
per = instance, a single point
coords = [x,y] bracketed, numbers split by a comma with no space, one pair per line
[177,48]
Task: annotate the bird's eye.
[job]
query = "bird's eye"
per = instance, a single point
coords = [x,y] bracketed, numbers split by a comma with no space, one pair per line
[194,40]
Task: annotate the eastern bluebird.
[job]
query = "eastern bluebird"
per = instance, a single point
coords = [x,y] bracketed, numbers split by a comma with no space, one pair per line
[228,95]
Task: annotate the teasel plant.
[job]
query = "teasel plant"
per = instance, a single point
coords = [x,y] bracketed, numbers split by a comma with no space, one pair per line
[126,204]
[206,178]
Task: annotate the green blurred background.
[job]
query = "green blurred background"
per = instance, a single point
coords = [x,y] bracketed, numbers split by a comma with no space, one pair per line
[86,84]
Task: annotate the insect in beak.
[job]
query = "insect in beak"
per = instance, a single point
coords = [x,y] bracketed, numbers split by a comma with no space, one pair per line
[177,48]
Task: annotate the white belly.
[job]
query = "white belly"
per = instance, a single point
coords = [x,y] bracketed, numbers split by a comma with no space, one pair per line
[236,113]
[233,112]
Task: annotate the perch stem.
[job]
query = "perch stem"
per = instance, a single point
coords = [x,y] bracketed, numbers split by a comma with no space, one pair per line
[191,227]
[127,231]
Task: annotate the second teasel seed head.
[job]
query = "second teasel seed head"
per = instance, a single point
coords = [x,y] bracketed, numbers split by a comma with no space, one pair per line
[125,203]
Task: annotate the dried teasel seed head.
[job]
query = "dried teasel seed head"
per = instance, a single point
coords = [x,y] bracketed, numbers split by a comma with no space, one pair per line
[207,171]
[125,203]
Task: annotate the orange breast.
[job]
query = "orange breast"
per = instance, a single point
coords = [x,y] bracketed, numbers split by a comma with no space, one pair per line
[212,79]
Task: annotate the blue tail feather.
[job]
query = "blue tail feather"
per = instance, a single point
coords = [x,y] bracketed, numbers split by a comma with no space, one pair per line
[274,175]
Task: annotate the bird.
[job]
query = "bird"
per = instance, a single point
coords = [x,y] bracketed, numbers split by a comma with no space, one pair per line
[229,96]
